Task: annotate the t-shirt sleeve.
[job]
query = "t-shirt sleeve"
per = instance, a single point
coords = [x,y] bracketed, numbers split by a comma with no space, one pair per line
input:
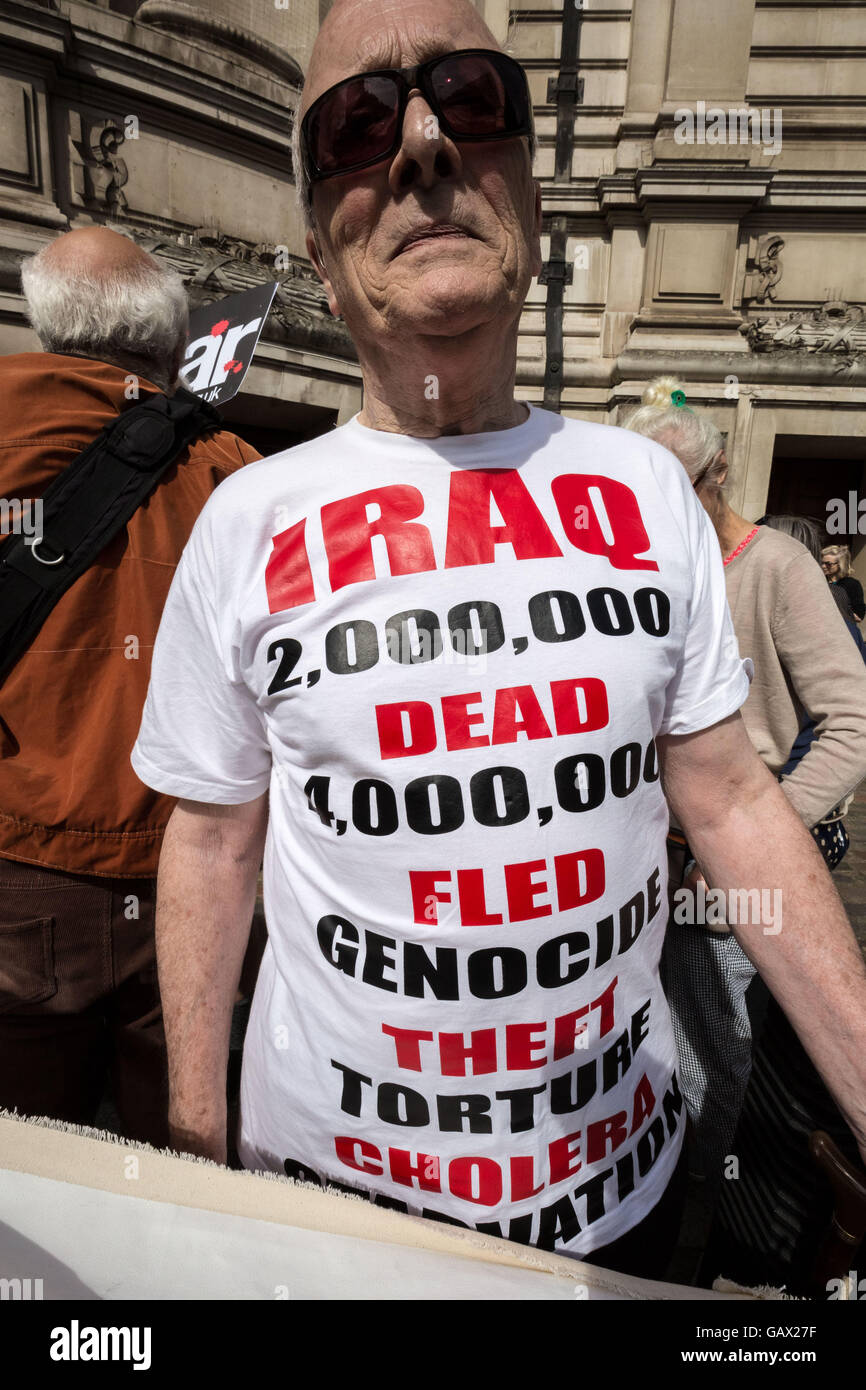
[202,736]
[711,680]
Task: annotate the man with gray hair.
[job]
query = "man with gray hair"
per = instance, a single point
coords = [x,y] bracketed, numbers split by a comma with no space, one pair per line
[436,672]
[94,293]
[79,834]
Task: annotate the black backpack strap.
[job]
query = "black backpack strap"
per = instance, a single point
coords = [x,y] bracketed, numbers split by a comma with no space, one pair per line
[86,506]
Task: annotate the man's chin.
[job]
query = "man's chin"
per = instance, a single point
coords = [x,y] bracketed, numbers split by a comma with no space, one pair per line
[448,305]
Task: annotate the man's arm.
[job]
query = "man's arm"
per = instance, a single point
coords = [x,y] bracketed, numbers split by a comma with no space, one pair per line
[206,893]
[828,676]
[744,834]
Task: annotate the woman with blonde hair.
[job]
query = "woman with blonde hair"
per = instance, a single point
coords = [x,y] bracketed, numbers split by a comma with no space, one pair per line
[805,668]
[836,564]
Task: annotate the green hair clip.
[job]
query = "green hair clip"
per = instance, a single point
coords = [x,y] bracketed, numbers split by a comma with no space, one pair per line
[678,398]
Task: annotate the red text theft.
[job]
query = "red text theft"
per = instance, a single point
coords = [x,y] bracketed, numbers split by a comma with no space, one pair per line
[519,1046]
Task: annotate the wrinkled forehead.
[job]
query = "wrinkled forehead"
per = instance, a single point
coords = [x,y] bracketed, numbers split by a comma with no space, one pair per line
[360,35]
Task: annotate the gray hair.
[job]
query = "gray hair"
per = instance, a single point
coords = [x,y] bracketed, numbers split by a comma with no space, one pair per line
[694,439]
[137,318]
[808,533]
[302,186]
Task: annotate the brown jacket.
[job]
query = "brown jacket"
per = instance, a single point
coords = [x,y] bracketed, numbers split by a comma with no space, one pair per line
[71,707]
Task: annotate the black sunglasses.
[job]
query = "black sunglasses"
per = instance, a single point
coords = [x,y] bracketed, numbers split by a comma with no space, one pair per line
[475,94]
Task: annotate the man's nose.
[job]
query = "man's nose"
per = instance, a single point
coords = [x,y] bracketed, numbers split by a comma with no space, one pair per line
[426,153]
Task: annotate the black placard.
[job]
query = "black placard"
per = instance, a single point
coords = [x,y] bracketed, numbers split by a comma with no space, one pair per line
[222,340]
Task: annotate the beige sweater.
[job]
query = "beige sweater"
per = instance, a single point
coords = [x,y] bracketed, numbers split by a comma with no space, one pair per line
[806,664]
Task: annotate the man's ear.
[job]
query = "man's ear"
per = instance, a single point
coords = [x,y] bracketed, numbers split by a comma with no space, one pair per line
[315,256]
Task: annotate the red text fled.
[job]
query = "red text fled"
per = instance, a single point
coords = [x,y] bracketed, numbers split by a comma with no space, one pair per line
[579,879]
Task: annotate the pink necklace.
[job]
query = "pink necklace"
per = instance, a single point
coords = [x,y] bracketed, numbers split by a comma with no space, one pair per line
[743,543]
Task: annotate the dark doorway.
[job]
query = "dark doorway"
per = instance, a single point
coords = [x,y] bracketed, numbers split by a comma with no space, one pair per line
[271,425]
[809,471]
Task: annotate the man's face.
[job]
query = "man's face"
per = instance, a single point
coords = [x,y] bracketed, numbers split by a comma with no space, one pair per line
[441,237]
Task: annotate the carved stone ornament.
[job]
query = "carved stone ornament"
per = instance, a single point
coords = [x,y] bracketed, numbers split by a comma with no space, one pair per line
[764,270]
[213,266]
[837,327]
[98,172]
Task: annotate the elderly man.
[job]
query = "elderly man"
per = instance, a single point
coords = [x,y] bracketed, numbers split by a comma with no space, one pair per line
[433,664]
[79,834]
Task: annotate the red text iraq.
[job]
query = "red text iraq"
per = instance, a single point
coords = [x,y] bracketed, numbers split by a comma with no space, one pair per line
[598,516]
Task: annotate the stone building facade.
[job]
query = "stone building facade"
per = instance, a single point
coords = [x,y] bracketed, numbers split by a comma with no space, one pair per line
[703,165]
[705,199]
[174,122]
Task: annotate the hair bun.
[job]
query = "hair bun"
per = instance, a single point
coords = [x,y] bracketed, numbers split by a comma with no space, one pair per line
[658,392]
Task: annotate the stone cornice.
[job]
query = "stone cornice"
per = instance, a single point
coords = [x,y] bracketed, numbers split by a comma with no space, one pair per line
[87,44]
[189,20]
[818,192]
[700,189]
[701,183]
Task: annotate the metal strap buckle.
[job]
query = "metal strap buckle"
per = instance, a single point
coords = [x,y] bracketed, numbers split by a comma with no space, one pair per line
[33,544]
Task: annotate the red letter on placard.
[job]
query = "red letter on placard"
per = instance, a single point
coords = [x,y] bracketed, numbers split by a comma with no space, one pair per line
[563,1155]
[522,890]
[458,721]
[453,1052]
[523,1179]
[568,866]
[348,534]
[471,537]
[426,893]
[600,1133]
[579,707]
[473,904]
[604,1004]
[425,1169]
[288,577]
[408,1043]
[392,734]
[462,1178]
[644,1103]
[346,1146]
[516,711]
[610,507]
[521,1043]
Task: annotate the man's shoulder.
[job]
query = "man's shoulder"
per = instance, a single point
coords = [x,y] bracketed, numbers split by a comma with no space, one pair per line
[256,487]
[778,550]
[585,445]
[13,362]
[788,577]
[612,443]
[273,470]
[223,451]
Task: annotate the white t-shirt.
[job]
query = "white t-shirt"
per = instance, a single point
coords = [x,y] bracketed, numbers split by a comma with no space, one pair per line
[447,661]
